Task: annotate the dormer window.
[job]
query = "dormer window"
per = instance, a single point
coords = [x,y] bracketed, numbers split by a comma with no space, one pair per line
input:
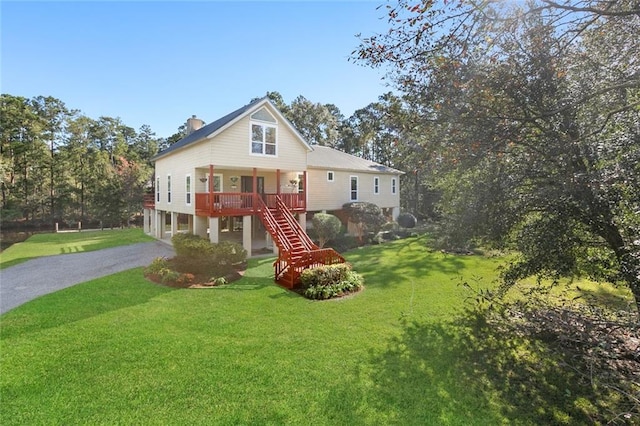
[263,133]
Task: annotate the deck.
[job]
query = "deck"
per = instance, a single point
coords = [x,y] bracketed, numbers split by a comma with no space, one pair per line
[219,204]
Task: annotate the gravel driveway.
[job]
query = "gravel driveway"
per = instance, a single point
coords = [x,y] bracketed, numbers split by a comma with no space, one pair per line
[26,281]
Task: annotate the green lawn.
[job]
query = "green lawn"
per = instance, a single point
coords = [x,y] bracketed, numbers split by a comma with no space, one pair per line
[121,350]
[39,245]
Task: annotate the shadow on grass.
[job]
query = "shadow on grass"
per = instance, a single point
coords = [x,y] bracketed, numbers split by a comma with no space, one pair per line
[118,291]
[411,258]
[606,297]
[464,373]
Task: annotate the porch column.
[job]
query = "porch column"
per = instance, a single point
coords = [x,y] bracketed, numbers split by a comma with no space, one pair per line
[214,229]
[160,224]
[304,190]
[211,189]
[246,234]
[146,221]
[254,185]
[152,222]
[395,212]
[174,223]
[302,220]
[200,226]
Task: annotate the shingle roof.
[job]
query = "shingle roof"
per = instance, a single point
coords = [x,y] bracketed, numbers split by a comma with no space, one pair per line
[324,157]
[210,128]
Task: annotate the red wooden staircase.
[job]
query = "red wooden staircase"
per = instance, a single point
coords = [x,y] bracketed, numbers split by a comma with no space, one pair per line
[296,251]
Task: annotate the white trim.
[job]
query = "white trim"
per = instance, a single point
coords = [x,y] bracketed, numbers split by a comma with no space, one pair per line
[376,185]
[278,116]
[333,176]
[215,175]
[265,102]
[221,175]
[188,189]
[264,126]
[357,190]
[168,188]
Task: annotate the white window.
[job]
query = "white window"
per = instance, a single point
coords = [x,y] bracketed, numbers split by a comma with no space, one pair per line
[353,189]
[217,182]
[376,185]
[187,188]
[263,139]
[301,183]
[330,177]
[393,186]
[157,190]
[168,189]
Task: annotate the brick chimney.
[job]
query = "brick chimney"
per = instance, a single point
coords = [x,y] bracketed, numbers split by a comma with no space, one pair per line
[193,124]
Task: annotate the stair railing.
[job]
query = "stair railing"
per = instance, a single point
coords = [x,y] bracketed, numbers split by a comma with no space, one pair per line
[293,223]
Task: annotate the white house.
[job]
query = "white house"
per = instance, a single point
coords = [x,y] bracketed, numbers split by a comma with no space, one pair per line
[217,179]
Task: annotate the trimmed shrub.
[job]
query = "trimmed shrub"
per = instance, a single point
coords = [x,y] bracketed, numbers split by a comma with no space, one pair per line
[189,245]
[326,227]
[199,256]
[368,218]
[407,220]
[329,281]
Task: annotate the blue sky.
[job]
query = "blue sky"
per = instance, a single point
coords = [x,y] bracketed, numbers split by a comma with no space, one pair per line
[159,62]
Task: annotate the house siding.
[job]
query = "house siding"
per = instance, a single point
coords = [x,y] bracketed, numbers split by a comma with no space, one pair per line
[229,148]
[324,195]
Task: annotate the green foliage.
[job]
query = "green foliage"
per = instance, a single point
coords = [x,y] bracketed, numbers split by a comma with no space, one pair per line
[329,281]
[198,255]
[326,227]
[367,217]
[190,245]
[343,243]
[218,280]
[521,125]
[60,165]
[407,220]
[157,266]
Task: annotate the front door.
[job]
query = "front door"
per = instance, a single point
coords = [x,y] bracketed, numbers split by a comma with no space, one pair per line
[246,185]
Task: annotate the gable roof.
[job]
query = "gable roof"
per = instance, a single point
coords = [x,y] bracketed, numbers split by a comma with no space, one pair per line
[324,157]
[222,123]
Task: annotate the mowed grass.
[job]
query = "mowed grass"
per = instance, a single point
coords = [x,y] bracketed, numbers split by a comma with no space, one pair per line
[122,350]
[39,245]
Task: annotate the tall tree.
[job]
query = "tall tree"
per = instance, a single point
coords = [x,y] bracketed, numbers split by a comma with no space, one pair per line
[53,116]
[535,117]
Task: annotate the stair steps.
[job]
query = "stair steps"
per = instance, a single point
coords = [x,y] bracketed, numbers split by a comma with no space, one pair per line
[297,251]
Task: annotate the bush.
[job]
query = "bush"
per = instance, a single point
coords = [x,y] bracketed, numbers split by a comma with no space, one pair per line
[329,281]
[189,245]
[367,216]
[326,227]
[343,243]
[157,266]
[407,220]
[199,256]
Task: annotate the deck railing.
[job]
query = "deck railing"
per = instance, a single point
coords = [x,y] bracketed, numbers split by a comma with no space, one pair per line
[149,201]
[242,203]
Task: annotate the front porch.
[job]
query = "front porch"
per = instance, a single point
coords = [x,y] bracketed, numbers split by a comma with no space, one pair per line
[241,204]
[266,184]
